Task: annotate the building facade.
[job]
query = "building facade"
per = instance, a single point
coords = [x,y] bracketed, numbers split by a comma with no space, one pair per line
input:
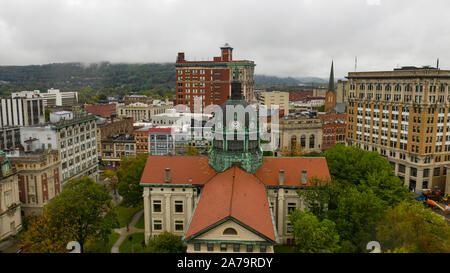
[141,111]
[74,138]
[102,110]
[23,108]
[334,126]
[9,138]
[114,148]
[54,97]
[130,99]
[211,80]
[39,175]
[404,115]
[300,132]
[281,99]
[10,216]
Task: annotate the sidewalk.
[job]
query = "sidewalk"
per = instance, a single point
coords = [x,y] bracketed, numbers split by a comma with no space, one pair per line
[124,233]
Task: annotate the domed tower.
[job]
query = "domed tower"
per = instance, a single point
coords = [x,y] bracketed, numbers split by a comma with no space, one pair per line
[236,139]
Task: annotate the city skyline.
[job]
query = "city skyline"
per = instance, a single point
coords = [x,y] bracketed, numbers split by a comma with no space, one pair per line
[301,41]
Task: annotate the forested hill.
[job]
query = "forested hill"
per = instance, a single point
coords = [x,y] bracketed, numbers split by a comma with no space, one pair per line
[101,78]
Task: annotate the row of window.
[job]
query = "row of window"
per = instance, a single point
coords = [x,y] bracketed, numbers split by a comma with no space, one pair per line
[236,247]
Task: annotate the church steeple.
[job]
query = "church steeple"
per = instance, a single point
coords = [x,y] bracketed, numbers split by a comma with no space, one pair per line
[331,80]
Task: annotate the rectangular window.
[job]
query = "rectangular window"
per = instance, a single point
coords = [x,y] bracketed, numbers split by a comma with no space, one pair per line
[223,247]
[250,248]
[291,207]
[179,206]
[197,247]
[157,225]
[262,249]
[179,226]
[156,205]
[437,171]
[210,247]
[236,248]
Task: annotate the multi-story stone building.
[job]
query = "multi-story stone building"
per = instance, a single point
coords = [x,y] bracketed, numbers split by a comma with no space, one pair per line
[39,174]
[114,148]
[334,126]
[404,115]
[141,111]
[74,136]
[233,200]
[141,136]
[301,132]
[211,80]
[10,216]
[23,108]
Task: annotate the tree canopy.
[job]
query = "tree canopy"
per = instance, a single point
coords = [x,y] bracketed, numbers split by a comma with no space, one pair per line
[129,175]
[86,207]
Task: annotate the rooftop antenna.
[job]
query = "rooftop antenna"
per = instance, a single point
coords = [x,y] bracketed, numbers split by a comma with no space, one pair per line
[437,63]
[356,62]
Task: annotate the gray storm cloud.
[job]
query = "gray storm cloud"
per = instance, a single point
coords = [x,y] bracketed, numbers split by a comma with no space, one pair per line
[285,38]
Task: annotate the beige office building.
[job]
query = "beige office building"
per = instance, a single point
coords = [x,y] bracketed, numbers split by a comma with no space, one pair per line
[404,115]
[281,99]
[141,111]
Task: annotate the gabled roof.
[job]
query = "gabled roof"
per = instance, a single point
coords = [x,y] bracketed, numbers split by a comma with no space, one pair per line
[190,170]
[237,195]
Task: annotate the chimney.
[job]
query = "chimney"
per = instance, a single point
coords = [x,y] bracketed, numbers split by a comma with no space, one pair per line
[281,177]
[180,58]
[167,179]
[304,180]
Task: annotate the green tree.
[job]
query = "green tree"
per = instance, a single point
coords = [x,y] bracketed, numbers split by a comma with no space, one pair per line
[48,233]
[312,235]
[85,206]
[366,170]
[409,227]
[166,242]
[47,115]
[112,180]
[129,175]
[356,214]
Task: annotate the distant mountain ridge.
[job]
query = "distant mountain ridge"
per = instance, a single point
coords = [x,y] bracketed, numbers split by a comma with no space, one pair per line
[266,79]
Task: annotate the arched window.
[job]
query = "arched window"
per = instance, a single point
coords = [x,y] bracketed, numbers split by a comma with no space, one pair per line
[229,231]
[303,141]
[311,141]
[293,142]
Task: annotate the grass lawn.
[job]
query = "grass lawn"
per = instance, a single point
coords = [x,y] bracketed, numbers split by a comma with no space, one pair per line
[99,246]
[138,237]
[284,249]
[125,214]
[140,223]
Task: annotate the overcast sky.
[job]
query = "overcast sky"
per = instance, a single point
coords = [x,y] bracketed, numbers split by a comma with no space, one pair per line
[285,38]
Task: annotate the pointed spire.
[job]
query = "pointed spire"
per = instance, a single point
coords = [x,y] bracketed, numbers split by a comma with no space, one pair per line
[331,81]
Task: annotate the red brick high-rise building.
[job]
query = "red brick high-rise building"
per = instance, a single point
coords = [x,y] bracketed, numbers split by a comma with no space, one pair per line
[211,80]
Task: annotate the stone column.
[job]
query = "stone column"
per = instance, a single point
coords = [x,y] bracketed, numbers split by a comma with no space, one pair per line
[280,212]
[168,212]
[147,213]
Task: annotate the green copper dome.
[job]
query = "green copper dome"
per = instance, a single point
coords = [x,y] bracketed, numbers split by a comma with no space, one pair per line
[236,140]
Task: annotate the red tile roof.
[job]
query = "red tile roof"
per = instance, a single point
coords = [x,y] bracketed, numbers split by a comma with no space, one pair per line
[183,170]
[196,170]
[292,166]
[236,194]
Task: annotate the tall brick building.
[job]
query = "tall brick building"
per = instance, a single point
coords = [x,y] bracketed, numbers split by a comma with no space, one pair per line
[211,80]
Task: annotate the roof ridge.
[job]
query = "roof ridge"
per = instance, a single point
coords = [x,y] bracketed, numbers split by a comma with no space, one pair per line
[232,192]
